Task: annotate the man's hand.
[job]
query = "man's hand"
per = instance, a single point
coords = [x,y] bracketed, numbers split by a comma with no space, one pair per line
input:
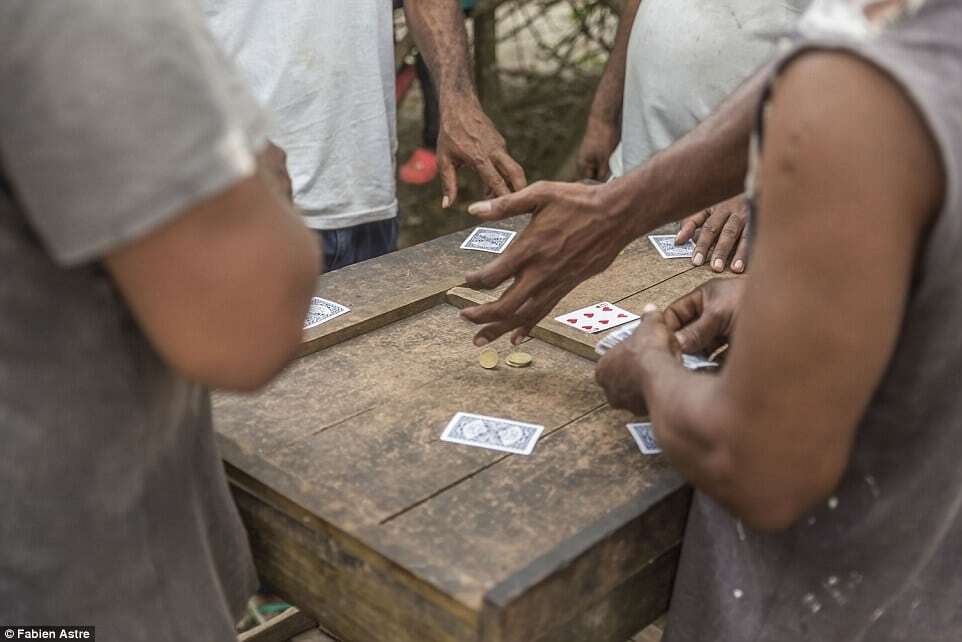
[274,165]
[468,137]
[572,236]
[601,138]
[703,319]
[619,372]
[723,226]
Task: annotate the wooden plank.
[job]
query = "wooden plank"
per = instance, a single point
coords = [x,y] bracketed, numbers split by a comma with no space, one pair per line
[317,635]
[394,286]
[543,513]
[374,448]
[550,331]
[281,628]
[354,591]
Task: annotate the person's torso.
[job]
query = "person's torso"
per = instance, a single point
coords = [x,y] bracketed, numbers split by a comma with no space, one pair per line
[881,560]
[685,57]
[114,509]
[326,71]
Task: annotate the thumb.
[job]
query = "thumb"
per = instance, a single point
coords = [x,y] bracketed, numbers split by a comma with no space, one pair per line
[698,335]
[449,180]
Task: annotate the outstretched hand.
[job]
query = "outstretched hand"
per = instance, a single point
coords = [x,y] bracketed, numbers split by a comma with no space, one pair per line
[571,237]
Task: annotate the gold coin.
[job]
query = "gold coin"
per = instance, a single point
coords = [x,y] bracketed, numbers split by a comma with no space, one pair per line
[488,358]
[518,359]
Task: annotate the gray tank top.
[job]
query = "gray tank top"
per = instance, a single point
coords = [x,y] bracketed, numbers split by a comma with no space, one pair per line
[882,560]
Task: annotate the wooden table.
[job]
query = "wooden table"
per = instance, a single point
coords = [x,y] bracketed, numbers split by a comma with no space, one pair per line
[362,517]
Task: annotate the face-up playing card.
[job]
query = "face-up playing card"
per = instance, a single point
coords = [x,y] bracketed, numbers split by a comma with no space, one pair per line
[322,311]
[597,318]
[665,244]
[488,239]
[644,437]
[493,433]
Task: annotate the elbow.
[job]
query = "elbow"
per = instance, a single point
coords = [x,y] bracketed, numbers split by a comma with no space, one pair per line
[259,344]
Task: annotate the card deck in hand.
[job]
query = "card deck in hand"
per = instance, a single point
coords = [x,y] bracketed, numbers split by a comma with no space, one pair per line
[488,239]
[690,361]
[644,437]
[322,311]
[597,318]
[493,433]
[665,244]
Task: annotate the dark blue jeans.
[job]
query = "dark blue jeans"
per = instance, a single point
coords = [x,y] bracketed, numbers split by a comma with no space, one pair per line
[359,243]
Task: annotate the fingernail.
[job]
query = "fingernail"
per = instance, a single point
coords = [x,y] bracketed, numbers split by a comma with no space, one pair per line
[738,265]
[650,307]
[679,339]
[718,265]
[698,259]
[482,207]
[445,202]
[480,342]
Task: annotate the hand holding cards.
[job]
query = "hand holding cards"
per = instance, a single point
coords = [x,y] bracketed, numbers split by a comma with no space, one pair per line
[690,361]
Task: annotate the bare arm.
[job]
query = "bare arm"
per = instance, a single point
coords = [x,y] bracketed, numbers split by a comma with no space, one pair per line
[578,230]
[604,121]
[811,343]
[467,137]
[221,292]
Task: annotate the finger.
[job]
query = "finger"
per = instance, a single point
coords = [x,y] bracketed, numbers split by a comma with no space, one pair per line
[708,233]
[491,178]
[684,310]
[449,180]
[535,309]
[726,243]
[501,316]
[512,172]
[529,199]
[690,225]
[740,262]
[499,270]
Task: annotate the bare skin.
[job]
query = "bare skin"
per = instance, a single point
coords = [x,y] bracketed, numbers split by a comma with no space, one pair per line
[244,249]
[467,136]
[815,328]
[721,233]
[604,120]
[577,230]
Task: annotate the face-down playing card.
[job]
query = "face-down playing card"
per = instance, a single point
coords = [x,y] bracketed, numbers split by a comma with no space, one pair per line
[322,311]
[493,433]
[488,239]
[665,244]
[644,437]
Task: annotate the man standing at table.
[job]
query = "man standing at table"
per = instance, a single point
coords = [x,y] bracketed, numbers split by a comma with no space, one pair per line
[146,253]
[326,70]
[681,60]
[826,452]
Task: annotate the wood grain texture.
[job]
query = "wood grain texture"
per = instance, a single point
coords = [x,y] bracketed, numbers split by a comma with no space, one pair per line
[281,628]
[394,286]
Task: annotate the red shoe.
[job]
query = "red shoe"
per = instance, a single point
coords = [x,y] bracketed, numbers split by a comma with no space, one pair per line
[421,168]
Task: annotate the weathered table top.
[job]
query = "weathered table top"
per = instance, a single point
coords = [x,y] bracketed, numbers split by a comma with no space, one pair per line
[360,515]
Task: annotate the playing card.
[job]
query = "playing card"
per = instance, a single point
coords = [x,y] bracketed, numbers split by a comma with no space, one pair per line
[665,244]
[597,318]
[322,311]
[488,239]
[493,433]
[690,361]
[644,437]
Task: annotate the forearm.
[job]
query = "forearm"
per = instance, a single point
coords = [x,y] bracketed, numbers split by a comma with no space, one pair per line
[438,30]
[609,96]
[705,167]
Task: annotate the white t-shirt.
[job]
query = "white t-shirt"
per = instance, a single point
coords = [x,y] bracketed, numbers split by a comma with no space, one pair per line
[325,68]
[684,58]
